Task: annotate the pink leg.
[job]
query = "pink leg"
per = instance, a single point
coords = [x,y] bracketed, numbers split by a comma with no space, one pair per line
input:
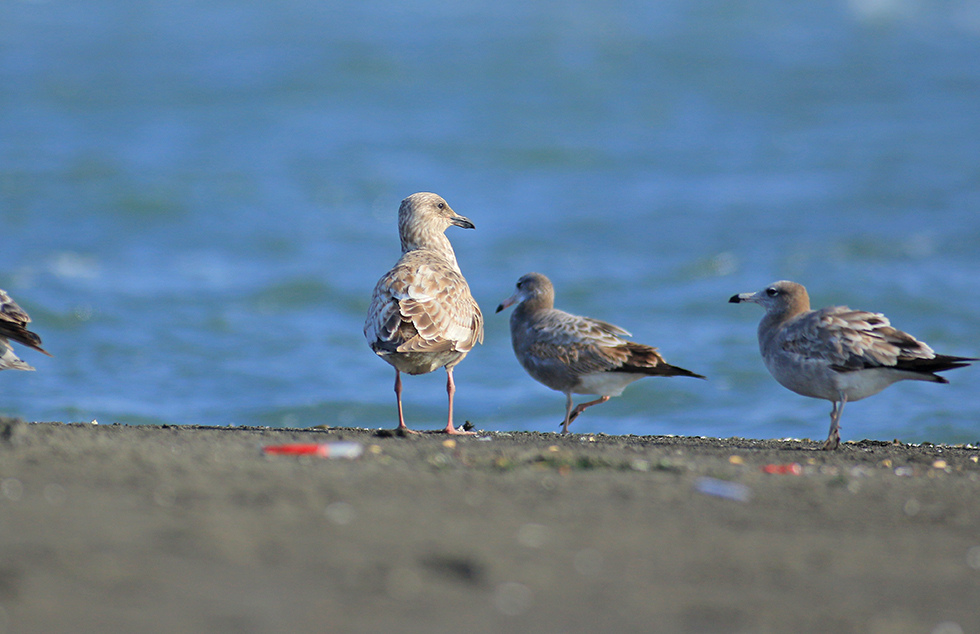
[833,438]
[402,428]
[572,414]
[451,391]
[568,413]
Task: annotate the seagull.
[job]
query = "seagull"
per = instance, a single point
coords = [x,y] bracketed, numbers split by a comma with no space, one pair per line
[836,353]
[576,355]
[13,325]
[422,315]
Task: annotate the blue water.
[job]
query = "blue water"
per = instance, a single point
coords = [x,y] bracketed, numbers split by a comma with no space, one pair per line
[196,199]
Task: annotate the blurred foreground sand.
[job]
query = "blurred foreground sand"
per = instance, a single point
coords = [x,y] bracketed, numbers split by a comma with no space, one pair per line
[195,529]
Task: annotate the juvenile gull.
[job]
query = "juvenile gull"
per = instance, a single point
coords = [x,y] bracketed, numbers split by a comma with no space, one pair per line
[576,355]
[422,315]
[13,325]
[836,353]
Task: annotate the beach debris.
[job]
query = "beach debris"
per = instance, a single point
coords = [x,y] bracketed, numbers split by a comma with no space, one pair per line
[512,598]
[12,489]
[973,557]
[456,567]
[790,468]
[533,535]
[947,627]
[723,489]
[341,513]
[736,459]
[340,449]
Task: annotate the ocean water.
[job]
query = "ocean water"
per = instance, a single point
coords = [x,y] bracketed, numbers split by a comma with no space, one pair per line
[196,199]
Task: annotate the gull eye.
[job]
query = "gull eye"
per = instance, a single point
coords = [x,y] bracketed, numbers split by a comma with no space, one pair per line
[772,291]
[442,205]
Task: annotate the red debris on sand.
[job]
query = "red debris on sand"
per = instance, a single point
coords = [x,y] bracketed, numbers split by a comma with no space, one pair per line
[792,468]
[321,450]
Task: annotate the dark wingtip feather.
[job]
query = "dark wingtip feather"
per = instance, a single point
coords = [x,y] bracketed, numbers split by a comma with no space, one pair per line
[682,372]
[939,363]
[647,360]
[17,332]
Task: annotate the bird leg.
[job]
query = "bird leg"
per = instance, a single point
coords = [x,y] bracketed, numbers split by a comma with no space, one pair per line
[833,438]
[402,428]
[451,391]
[568,413]
[571,414]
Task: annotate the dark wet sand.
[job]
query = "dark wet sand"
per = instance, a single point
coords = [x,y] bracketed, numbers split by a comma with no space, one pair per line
[194,529]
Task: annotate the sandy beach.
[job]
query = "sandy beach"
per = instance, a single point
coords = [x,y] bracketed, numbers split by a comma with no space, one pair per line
[107,528]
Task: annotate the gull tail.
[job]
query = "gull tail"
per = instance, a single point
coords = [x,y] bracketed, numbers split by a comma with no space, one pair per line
[646,360]
[939,363]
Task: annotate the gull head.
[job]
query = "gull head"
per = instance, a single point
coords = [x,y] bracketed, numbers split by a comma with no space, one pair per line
[534,289]
[779,298]
[423,217]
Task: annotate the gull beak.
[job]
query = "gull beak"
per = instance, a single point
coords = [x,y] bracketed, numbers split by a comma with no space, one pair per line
[742,297]
[462,221]
[510,301]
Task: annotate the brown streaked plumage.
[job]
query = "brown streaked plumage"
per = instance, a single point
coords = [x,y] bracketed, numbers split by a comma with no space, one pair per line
[837,353]
[13,325]
[422,314]
[573,354]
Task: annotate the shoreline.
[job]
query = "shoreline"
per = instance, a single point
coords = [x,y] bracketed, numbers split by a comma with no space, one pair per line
[195,528]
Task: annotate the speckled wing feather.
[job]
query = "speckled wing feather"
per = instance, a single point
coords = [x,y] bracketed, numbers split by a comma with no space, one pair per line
[423,305]
[852,340]
[581,344]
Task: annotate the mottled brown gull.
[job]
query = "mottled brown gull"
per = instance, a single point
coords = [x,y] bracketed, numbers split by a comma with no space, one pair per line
[576,355]
[422,315]
[836,353]
[13,325]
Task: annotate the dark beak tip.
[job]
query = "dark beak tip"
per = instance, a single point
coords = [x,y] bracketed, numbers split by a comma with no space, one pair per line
[734,300]
[499,308]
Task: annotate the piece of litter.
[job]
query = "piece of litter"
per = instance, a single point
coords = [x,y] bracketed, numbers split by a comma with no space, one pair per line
[792,468]
[723,489]
[736,459]
[449,443]
[341,449]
